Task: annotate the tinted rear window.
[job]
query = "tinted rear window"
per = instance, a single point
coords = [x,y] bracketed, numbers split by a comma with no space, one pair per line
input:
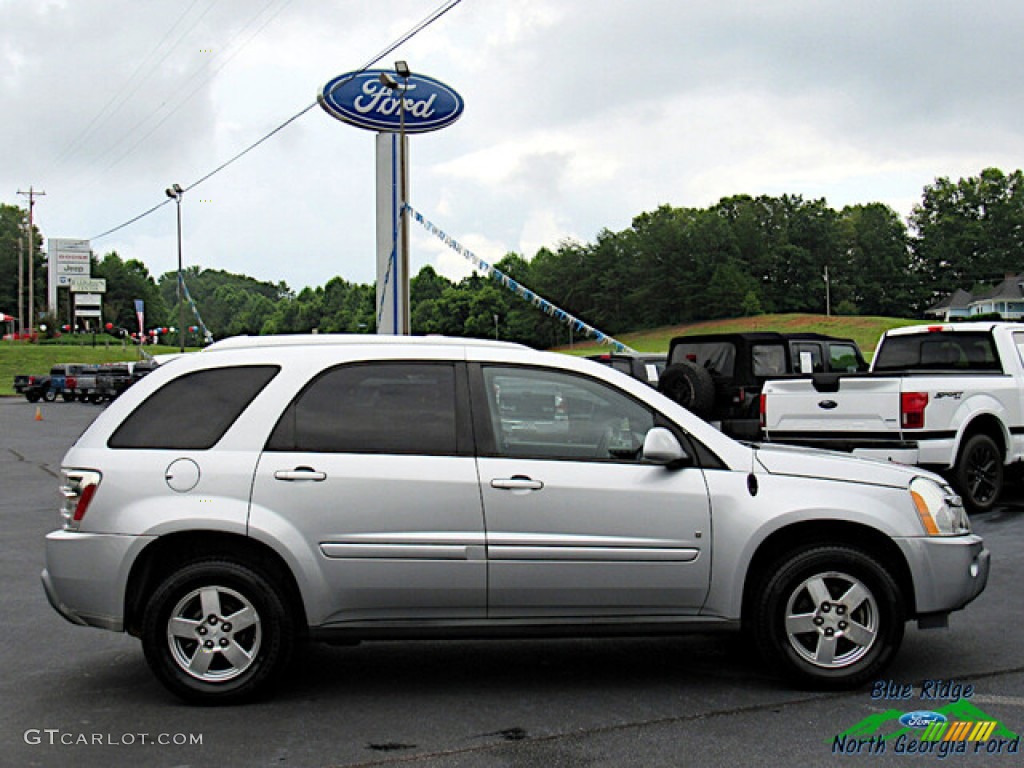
[938,351]
[192,412]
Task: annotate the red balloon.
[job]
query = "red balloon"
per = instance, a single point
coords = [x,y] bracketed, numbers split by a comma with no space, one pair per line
[109,326]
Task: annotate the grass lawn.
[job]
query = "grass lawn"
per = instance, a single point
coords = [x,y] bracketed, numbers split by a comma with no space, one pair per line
[17,357]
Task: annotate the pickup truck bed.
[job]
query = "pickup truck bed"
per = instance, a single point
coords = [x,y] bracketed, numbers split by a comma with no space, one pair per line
[949,398]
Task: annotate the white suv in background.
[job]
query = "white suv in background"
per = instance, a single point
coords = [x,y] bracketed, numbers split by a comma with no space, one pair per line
[271,489]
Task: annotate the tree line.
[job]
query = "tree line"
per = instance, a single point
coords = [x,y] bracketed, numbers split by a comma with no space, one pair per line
[743,256]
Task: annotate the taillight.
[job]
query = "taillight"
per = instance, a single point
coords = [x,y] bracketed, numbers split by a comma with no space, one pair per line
[78,490]
[764,410]
[70,382]
[912,405]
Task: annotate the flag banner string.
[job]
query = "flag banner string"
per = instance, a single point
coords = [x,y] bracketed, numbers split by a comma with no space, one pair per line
[519,289]
[195,310]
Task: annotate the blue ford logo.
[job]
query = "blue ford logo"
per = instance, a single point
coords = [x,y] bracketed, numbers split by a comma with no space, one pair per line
[361,99]
[921,719]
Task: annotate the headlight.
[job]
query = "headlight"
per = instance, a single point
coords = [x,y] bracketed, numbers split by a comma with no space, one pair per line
[941,511]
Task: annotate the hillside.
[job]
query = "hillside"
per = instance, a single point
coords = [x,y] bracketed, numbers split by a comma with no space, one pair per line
[864,330]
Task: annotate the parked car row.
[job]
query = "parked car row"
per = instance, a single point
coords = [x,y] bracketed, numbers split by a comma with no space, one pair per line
[82,382]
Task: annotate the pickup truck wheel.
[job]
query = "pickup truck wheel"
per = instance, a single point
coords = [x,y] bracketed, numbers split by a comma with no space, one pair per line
[49,395]
[978,474]
[691,386]
[830,616]
[217,632]
[32,397]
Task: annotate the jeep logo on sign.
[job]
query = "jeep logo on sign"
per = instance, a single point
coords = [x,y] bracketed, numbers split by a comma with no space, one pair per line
[360,98]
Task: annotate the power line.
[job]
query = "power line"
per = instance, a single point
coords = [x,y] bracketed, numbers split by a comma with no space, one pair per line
[173,104]
[121,97]
[415,30]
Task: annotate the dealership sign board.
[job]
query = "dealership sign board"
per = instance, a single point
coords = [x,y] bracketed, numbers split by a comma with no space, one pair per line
[361,99]
[68,259]
[89,285]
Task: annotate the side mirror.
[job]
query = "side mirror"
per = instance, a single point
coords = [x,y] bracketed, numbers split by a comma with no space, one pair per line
[662,447]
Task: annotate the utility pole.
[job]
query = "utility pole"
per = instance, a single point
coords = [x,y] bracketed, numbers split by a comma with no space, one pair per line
[31,195]
[21,285]
[828,298]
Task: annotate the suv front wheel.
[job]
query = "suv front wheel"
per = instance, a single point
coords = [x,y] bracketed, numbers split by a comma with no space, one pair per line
[831,616]
[217,632]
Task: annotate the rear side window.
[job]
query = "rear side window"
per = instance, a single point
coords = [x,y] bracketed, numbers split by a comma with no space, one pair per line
[938,351]
[192,412]
[394,408]
[719,358]
[769,359]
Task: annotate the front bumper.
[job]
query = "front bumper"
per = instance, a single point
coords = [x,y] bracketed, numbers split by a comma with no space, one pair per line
[948,572]
[86,576]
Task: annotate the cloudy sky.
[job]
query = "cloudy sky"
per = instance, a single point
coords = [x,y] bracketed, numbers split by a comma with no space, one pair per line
[579,115]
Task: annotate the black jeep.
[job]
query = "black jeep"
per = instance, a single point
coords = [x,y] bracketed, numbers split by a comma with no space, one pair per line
[719,376]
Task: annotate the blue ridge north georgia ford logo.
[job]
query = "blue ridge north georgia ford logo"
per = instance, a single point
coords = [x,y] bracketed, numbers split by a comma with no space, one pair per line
[360,98]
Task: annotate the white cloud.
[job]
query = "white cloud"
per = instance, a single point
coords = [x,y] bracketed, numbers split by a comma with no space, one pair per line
[579,116]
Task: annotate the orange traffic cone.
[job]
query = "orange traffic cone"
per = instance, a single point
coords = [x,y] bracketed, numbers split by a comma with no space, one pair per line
[39,413]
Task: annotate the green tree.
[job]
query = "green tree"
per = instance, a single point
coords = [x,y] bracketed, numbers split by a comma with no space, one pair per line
[126,282]
[876,275]
[14,246]
[969,231]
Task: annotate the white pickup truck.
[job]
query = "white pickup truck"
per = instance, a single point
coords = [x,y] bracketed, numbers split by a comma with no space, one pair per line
[946,397]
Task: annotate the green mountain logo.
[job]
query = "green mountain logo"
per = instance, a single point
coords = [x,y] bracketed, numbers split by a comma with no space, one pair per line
[886,725]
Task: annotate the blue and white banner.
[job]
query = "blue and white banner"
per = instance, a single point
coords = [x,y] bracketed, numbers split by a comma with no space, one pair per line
[519,290]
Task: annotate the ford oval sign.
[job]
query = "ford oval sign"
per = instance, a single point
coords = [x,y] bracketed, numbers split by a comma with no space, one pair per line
[921,719]
[360,98]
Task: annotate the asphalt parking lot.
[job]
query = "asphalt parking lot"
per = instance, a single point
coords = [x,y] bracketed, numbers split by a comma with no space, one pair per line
[72,695]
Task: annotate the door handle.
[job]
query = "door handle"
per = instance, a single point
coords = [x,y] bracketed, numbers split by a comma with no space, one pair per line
[517,483]
[300,473]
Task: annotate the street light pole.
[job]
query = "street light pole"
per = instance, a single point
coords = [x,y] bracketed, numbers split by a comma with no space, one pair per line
[175,192]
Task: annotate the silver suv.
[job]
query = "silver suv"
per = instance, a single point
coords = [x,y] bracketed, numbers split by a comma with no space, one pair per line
[267,490]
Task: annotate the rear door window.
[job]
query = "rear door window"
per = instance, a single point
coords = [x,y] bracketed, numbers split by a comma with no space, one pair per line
[769,359]
[390,408]
[192,412]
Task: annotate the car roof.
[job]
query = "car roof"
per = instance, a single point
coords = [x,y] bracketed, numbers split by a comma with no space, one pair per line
[318,339]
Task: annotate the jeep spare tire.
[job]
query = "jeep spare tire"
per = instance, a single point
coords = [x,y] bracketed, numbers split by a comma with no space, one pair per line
[691,386]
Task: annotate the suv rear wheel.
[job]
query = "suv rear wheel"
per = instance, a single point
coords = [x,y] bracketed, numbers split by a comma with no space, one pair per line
[831,616]
[217,632]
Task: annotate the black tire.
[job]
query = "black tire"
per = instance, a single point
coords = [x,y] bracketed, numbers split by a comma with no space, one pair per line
[69,397]
[844,637]
[82,397]
[978,474]
[691,386]
[49,395]
[32,397]
[204,598]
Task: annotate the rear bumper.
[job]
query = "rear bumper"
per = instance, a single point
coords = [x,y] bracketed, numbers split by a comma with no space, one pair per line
[86,575]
